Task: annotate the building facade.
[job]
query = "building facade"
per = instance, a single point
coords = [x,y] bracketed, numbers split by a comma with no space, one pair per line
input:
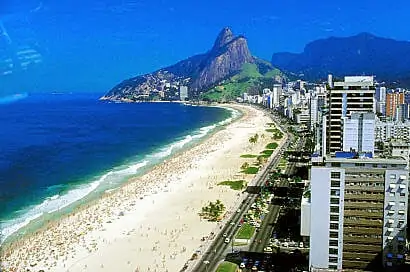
[355,94]
[358,213]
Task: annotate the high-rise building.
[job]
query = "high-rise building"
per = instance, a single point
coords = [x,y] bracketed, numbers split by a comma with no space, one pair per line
[393,100]
[183,93]
[277,93]
[355,94]
[358,213]
[358,132]
[381,94]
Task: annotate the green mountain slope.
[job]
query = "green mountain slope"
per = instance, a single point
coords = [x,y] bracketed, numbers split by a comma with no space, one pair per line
[252,79]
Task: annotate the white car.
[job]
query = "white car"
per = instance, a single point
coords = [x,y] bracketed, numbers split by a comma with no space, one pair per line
[227,240]
[225,234]
[242,265]
[268,250]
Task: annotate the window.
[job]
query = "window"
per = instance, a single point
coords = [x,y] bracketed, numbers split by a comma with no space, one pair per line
[335,192]
[334,226]
[335,175]
[332,259]
[335,164]
[392,176]
[359,164]
[333,234]
[402,194]
[402,204]
[392,194]
[334,218]
[335,183]
[332,266]
[334,209]
[333,243]
[333,251]
[334,200]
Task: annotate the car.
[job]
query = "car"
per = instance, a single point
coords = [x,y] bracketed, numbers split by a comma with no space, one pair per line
[227,240]
[242,265]
[254,268]
[225,234]
[268,250]
[301,244]
[232,223]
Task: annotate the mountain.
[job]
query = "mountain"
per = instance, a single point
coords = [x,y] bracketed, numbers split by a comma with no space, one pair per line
[199,73]
[387,59]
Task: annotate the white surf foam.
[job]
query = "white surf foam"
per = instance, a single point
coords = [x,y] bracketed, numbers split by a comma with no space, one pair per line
[58,202]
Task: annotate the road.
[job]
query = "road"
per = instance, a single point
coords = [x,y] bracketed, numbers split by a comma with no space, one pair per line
[218,249]
[259,241]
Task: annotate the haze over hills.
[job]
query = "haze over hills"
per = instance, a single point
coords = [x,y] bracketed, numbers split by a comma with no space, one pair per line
[387,59]
[202,73]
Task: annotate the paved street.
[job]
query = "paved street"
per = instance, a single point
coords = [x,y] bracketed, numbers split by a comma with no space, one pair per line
[218,249]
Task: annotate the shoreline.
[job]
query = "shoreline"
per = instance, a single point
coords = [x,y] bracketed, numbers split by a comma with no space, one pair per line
[42,221]
[118,220]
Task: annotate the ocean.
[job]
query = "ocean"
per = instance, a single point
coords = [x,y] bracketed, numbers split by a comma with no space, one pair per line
[59,149]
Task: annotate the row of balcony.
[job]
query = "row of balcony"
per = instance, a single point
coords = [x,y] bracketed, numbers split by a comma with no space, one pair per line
[365,248]
[374,197]
[362,230]
[364,213]
[362,239]
[363,222]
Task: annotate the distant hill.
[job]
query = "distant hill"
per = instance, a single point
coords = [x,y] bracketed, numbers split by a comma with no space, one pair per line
[202,73]
[363,54]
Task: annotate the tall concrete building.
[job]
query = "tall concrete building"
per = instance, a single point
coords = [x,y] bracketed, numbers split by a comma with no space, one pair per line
[393,100]
[358,132]
[355,94]
[183,93]
[358,213]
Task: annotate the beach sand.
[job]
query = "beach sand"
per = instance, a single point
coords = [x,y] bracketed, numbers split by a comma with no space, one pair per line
[152,222]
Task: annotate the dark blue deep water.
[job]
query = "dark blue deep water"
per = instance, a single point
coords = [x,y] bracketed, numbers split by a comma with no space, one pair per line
[56,149]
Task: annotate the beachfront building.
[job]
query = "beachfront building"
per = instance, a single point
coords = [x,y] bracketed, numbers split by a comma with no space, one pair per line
[354,94]
[183,93]
[358,212]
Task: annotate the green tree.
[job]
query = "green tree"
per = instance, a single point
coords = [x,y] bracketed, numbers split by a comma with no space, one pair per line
[244,165]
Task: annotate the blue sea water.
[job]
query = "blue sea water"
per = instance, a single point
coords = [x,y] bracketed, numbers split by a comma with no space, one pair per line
[57,149]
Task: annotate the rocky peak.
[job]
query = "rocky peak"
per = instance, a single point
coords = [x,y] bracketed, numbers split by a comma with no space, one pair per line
[199,72]
[224,37]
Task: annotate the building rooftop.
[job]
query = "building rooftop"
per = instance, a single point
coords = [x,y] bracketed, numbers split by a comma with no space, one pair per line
[350,157]
[356,81]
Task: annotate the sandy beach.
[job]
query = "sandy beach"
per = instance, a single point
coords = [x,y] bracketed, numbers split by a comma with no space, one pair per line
[152,222]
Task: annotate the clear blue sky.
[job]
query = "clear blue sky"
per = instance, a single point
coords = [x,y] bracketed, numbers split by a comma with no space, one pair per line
[92,45]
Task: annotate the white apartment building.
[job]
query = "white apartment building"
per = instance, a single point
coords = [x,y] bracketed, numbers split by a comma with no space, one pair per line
[358,132]
[358,210]
[386,131]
